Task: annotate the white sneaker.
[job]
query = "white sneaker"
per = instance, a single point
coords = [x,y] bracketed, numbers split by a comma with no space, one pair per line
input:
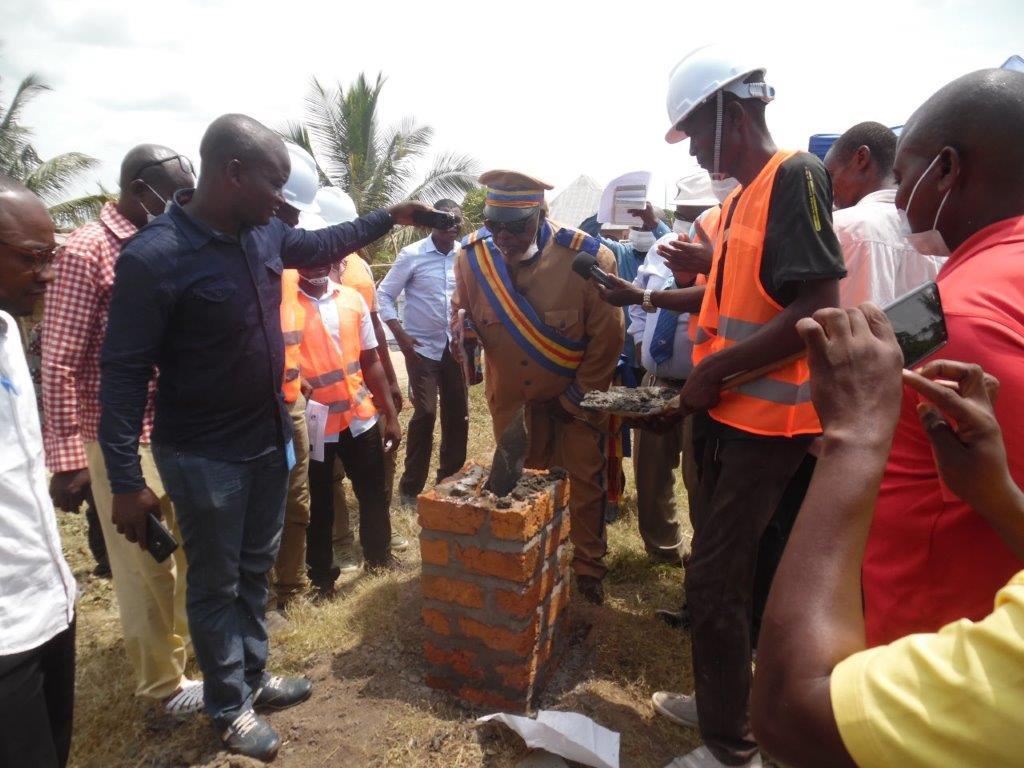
[677,707]
[186,702]
[701,757]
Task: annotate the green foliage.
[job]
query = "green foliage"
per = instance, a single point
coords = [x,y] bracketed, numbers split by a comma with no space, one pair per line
[375,165]
[473,208]
[50,179]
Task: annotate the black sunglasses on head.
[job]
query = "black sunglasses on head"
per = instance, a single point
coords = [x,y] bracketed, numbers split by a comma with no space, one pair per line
[183,162]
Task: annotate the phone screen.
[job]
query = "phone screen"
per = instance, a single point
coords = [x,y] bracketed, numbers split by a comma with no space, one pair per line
[919,323]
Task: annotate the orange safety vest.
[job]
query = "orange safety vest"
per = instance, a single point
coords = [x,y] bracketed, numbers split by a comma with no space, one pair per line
[293,320]
[356,274]
[708,222]
[333,371]
[778,403]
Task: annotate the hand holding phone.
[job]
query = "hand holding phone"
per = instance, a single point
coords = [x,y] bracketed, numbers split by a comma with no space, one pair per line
[435,219]
[159,541]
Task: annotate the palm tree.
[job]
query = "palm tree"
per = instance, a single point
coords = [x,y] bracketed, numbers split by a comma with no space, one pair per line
[374,165]
[50,179]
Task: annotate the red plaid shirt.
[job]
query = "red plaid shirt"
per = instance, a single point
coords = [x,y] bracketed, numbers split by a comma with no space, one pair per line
[74,325]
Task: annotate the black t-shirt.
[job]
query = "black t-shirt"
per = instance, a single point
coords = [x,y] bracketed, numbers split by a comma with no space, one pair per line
[799,243]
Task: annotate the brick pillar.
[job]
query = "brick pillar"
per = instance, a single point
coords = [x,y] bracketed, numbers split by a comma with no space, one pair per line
[495,586]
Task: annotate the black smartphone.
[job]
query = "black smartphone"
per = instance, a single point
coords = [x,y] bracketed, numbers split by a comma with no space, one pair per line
[435,219]
[919,324]
[159,541]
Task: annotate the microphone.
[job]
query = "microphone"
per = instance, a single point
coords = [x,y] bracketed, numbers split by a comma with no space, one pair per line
[586,267]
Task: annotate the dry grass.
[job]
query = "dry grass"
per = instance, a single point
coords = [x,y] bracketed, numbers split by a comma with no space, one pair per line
[362,650]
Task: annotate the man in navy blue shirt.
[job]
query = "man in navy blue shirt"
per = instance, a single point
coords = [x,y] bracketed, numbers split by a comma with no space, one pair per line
[197,295]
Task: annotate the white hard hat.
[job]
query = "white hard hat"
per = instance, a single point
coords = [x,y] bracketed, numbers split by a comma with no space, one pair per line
[695,189]
[309,220]
[704,71]
[300,189]
[336,207]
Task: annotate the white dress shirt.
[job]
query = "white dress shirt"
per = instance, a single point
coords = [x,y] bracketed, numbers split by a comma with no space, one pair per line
[881,265]
[37,590]
[656,275]
[428,278]
[328,309]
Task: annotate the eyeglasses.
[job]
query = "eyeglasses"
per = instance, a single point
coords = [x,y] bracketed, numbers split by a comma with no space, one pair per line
[512,227]
[183,162]
[38,259]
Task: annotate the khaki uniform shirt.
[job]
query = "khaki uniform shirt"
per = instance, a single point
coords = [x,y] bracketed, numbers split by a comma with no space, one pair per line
[563,300]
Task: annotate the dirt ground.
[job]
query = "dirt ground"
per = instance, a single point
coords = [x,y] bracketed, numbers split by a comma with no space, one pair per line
[369,705]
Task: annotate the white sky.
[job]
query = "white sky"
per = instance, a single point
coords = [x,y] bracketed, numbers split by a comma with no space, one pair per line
[553,88]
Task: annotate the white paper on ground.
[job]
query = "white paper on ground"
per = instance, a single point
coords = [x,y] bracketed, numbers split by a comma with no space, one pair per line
[625,193]
[568,734]
[316,426]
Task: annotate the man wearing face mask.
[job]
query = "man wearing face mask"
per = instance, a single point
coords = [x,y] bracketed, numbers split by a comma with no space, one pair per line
[929,558]
[776,260]
[549,339]
[150,595]
[881,264]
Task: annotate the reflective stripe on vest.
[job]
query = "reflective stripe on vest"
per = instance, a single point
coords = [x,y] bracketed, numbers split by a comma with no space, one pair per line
[330,365]
[293,318]
[736,306]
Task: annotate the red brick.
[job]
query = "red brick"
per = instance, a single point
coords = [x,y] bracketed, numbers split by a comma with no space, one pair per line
[492,700]
[525,604]
[434,551]
[523,520]
[566,528]
[499,639]
[557,603]
[438,513]
[519,676]
[436,621]
[450,590]
[560,497]
[462,661]
[513,566]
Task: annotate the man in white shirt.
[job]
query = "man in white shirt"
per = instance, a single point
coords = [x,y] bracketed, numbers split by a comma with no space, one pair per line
[37,590]
[425,271]
[339,361]
[881,265]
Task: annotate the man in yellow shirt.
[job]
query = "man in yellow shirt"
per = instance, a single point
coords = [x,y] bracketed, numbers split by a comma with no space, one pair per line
[955,697]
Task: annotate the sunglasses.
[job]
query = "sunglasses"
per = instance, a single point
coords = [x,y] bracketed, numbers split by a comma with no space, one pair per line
[512,227]
[183,162]
[37,259]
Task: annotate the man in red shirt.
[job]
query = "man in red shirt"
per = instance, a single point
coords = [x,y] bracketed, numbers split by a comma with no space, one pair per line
[929,558]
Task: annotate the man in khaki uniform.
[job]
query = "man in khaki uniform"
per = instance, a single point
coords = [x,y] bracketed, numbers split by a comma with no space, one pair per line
[549,339]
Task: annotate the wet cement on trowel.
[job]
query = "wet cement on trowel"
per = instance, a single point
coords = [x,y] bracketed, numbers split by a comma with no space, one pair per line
[632,400]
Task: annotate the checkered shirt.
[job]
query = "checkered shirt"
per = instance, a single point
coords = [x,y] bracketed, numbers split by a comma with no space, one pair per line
[74,325]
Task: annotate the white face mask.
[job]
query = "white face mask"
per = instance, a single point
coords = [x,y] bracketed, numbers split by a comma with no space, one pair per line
[316,282]
[151,216]
[929,242]
[641,240]
[721,188]
[681,226]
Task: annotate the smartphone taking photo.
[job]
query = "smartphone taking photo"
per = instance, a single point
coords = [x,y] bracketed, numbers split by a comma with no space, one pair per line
[919,323]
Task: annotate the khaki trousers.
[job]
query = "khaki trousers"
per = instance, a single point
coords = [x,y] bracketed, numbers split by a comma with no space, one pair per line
[150,595]
[288,578]
[578,447]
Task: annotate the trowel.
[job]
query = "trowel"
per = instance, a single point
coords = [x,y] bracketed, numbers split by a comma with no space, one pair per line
[509,455]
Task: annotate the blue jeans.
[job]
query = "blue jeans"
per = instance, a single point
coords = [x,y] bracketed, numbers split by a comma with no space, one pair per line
[230,515]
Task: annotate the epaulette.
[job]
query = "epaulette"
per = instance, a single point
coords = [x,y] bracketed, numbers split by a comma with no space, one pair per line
[481,234]
[575,240]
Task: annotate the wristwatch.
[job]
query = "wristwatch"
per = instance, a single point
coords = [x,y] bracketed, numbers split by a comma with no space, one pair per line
[646,303]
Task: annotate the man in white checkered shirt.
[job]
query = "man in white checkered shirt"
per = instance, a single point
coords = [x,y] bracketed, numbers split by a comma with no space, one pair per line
[150,595]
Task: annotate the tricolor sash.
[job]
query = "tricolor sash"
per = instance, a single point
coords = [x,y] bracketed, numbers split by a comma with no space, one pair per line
[547,347]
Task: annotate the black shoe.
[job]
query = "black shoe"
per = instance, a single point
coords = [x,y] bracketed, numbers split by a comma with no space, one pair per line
[283,692]
[322,594]
[102,570]
[251,735]
[591,588]
[676,619]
